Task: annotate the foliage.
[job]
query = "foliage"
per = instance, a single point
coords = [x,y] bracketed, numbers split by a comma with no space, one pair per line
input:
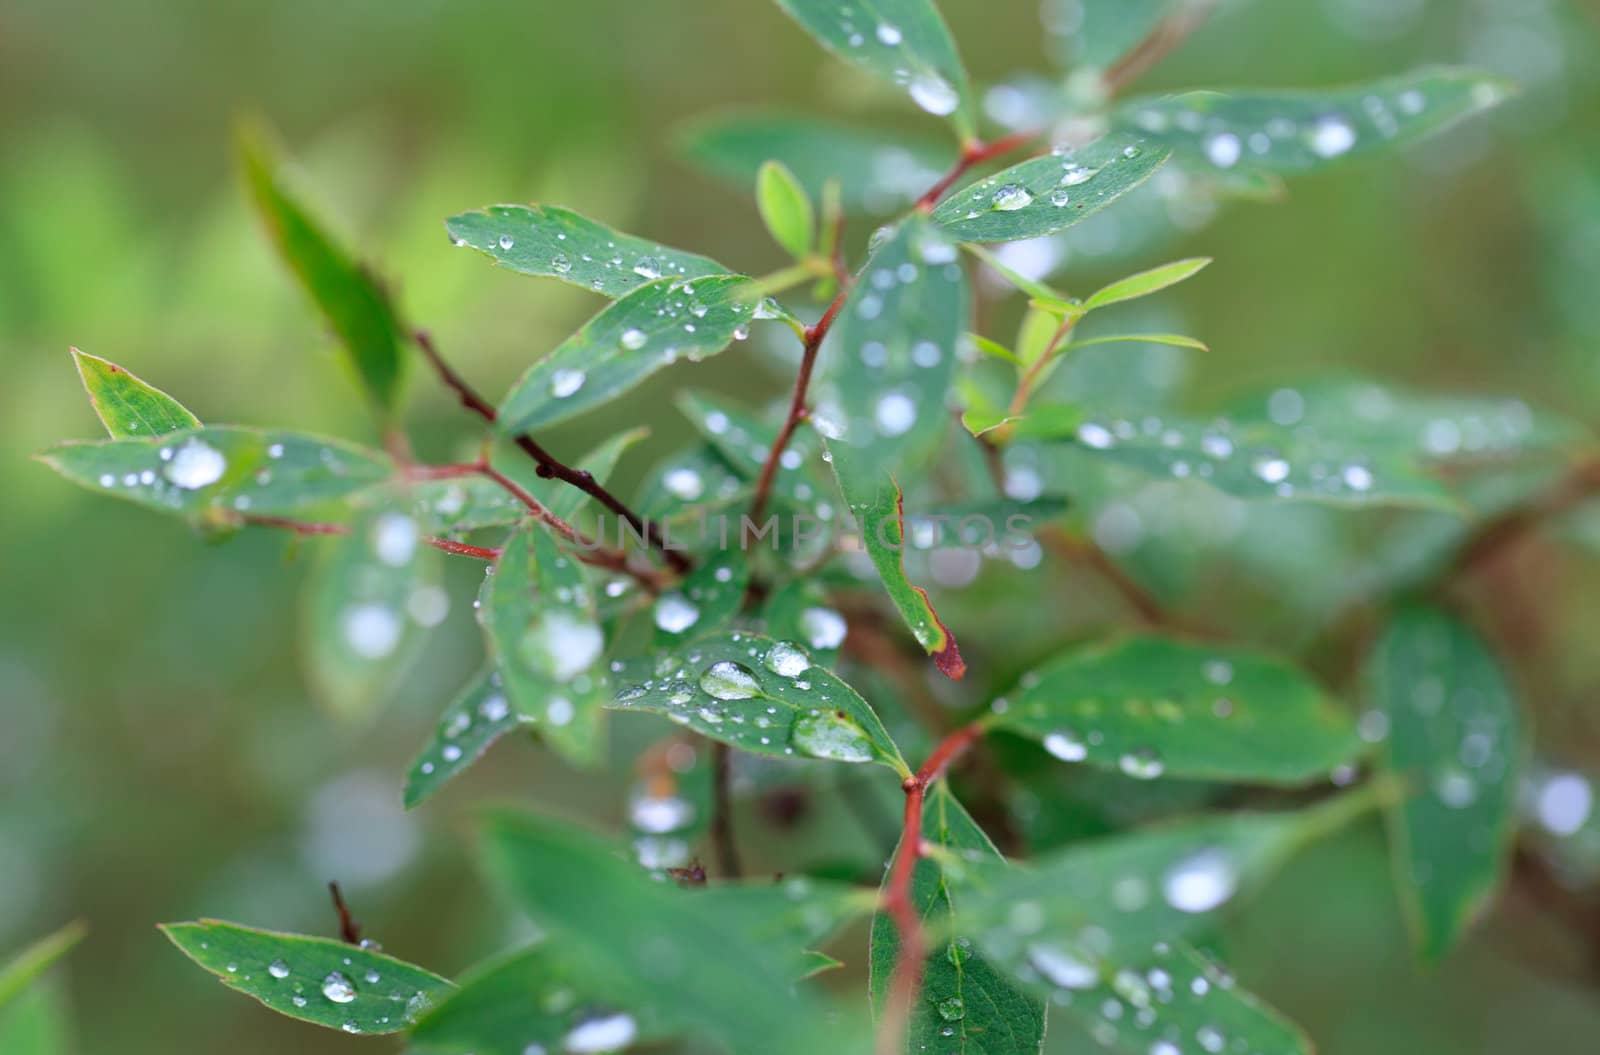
[759,637]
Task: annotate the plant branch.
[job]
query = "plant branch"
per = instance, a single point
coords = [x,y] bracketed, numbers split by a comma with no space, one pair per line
[906,978]
[1161,41]
[349,929]
[722,837]
[972,154]
[797,403]
[550,467]
[310,527]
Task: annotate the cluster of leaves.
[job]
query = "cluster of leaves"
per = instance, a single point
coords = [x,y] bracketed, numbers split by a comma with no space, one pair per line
[741,647]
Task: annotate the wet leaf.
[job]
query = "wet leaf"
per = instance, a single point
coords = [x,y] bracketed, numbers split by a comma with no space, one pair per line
[1296,131]
[1051,193]
[349,297]
[24,967]
[966,1006]
[469,726]
[878,171]
[373,595]
[744,441]
[547,240]
[223,471]
[800,611]
[1145,283]
[1152,706]
[538,609]
[785,209]
[319,980]
[1455,738]
[759,695]
[787,917]
[645,331]
[128,407]
[705,602]
[903,41]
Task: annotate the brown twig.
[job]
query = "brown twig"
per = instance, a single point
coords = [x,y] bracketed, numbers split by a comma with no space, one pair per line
[1157,45]
[1144,604]
[550,467]
[311,527]
[349,929]
[814,336]
[722,837]
[972,154]
[906,978]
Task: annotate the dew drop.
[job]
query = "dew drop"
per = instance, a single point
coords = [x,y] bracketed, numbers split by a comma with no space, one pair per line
[824,628]
[675,613]
[934,94]
[633,338]
[1143,764]
[895,414]
[1067,746]
[1332,136]
[786,660]
[1010,197]
[278,969]
[833,736]
[603,1034]
[1200,882]
[194,465]
[337,987]
[564,382]
[727,680]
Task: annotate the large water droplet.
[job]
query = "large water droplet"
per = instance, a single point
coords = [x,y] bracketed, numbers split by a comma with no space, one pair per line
[895,414]
[564,382]
[786,660]
[727,680]
[633,338]
[1010,197]
[823,627]
[1332,136]
[337,987]
[1066,745]
[194,465]
[833,736]
[1200,882]
[561,643]
[371,630]
[278,969]
[675,613]
[934,94]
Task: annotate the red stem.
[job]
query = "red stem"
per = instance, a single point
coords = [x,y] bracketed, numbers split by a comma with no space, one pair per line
[797,403]
[907,976]
[972,154]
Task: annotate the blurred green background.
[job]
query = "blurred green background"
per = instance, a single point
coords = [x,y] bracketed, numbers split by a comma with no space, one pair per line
[160,757]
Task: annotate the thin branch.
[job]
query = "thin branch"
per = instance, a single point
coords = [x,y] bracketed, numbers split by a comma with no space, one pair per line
[973,154]
[349,929]
[1144,604]
[722,836]
[1161,41]
[906,978]
[550,467]
[797,403]
[311,527]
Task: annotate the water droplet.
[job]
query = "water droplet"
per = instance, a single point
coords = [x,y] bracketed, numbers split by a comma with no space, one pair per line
[1271,469]
[394,539]
[675,613]
[559,711]
[560,264]
[278,969]
[1455,787]
[633,338]
[951,1009]
[786,660]
[194,465]
[888,34]
[1200,882]
[1010,197]
[564,382]
[833,736]
[934,94]
[1067,746]
[372,977]
[371,630]
[1332,136]
[1563,803]
[1143,764]
[1223,150]
[647,267]
[561,643]
[895,413]
[1097,436]
[1062,968]
[603,1034]
[727,680]
[824,628]
[337,987]
[506,241]
[659,814]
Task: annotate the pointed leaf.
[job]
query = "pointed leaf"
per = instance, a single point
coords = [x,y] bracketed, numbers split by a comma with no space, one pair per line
[627,342]
[1296,131]
[1145,282]
[966,1006]
[319,980]
[350,297]
[547,240]
[539,611]
[1174,340]
[473,721]
[374,593]
[705,602]
[1050,193]
[759,695]
[1153,706]
[877,171]
[222,470]
[128,407]
[1455,737]
[21,970]
[903,41]
[785,209]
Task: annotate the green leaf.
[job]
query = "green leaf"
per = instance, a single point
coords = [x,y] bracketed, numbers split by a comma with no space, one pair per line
[1153,706]
[1102,31]
[1455,737]
[1036,290]
[21,970]
[744,441]
[1051,193]
[38,1021]
[759,695]
[1042,422]
[1036,336]
[1297,131]
[800,611]
[787,917]
[547,240]
[655,945]
[350,298]
[877,171]
[993,349]
[785,209]
[966,1006]
[707,600]
[128,407]
[1145,282]
[374,593]
[539,612]
[1175,340]
[891,358]
[318,980]
[903,41]
[1160,883]
[627,342]
[469,726]
[223,470]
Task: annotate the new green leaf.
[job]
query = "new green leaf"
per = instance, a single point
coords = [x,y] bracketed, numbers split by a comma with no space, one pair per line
[473,721]
[645,331]
[128,407]
[759,695]
[318,980]
[903,41]
[1153,706]
[1145,283]
[1455,738]
[21,970]
[785,209]
[1051,193]
[547,240]
[349,296]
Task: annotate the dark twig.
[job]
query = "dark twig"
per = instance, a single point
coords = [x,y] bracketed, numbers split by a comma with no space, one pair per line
[349,929]
[550,467]
[722,836]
